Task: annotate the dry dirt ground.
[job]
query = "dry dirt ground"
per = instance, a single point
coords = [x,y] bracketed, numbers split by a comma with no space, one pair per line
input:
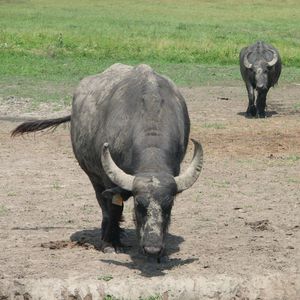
[234,235]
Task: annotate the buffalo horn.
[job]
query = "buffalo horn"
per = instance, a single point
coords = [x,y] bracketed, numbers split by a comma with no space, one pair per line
[115,174]
[246,62]
[187,179]
[274,60]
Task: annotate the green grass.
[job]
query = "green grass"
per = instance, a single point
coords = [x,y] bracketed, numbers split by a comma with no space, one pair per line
[56,185]
[11,194]
[292,158]
[217,183]
[163,31]
[3,210]
[156,297]
[214,125]
[293,180]
[109,297]
[105,277]
[296,106]
[56,43]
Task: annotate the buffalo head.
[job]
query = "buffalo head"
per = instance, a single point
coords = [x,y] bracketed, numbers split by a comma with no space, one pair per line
[154,195]
[260,67]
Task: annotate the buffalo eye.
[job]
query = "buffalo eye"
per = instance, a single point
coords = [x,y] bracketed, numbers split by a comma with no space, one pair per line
[166,210]
[166,205]
[141,205]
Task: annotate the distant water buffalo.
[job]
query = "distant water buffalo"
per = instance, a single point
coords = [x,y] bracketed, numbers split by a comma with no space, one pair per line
[260,66]
[129,130]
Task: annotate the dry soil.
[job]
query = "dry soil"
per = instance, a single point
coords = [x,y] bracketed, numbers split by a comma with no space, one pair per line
[234,234]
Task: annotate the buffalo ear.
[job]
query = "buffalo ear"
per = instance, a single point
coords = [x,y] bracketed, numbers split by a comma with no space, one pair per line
[109,193]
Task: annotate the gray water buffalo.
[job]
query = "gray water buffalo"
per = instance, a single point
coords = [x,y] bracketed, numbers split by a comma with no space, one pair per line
[260,67]
[129,130]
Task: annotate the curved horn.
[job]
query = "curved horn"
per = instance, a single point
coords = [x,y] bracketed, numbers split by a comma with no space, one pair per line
[188,178]
[274,60]
[246,61]
[115,174]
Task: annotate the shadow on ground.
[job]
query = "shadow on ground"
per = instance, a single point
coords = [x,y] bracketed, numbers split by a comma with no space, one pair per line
[268,114]
[148,267]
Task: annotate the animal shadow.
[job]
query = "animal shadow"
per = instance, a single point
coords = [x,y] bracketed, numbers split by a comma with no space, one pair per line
[146,265]
[269,114]
[91,237]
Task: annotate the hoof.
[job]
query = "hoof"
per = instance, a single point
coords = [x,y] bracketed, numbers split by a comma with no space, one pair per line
[123,234]
[108,248]
[120,249]
[251,111]
[262,115]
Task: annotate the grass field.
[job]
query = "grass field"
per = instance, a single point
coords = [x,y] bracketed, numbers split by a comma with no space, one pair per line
[55,43]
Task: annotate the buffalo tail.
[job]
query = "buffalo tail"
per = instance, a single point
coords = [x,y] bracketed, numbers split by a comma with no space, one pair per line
[37,125]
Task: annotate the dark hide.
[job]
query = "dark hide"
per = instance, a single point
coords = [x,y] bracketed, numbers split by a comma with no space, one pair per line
[144,119]
[260,76]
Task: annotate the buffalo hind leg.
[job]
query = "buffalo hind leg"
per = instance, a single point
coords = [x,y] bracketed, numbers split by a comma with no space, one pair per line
[261,103]
[251,110]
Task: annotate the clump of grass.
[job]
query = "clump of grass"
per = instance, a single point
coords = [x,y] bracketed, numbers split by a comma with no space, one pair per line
[219,184]
[105,277]
[293,180]
[222,184]
[11,194]
[292,158]
[56,185]
[154,297]
[296,106]
[3,210]
[214,125]
[109,297]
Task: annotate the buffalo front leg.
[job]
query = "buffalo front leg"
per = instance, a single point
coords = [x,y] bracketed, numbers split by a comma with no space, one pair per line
[112,208]
[261,103]
[105,215]
[251,110]
[113,231]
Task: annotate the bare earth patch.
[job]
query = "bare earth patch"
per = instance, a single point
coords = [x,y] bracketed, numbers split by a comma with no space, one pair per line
[234,235]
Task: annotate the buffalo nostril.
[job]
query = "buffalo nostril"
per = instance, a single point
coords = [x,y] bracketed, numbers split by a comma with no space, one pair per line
[152,250]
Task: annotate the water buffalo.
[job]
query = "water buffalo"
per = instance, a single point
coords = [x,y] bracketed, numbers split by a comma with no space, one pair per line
[129,130]
[260,67]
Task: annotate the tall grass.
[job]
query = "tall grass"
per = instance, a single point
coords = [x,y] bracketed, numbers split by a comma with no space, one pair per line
[66,40]
[167,31]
